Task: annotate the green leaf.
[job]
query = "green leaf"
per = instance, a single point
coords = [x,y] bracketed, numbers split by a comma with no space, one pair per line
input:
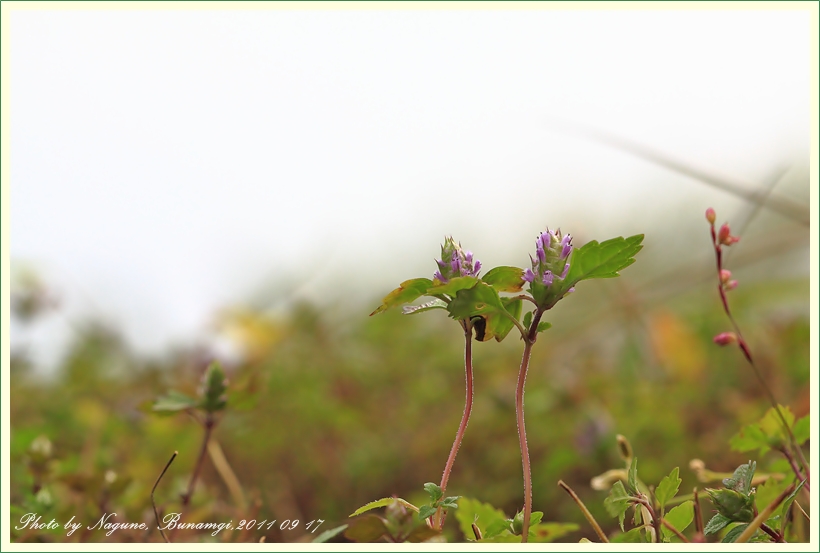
[499,527]
[174,401]
[733,534]
[213,388]
[551,531]
[501,325]
[787,503]
[505,279]
[617,502]
[366,529]
[632,477]
[633,536]
[734,505]
[741,479]
[716,524]
[801,430]
[544,326]
[407,291]
[434,491]
[452,286]
[749,438]
[383,502]
[426,511]
[679,517]
[427,306]
[482,514]
[482,300]
[450,502]
[330,534]
[668,488]
[505,537]
[527,319]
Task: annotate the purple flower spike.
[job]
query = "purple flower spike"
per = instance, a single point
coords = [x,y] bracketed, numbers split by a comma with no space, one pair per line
[459,262]
[552,249]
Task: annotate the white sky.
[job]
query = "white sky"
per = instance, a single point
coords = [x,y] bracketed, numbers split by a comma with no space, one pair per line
[165,164]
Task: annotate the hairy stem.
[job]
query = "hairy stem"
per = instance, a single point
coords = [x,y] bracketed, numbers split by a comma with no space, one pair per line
[465,418]
[529,340]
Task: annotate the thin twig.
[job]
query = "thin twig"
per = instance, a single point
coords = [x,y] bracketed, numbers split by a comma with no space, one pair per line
[585,511]
[209,424]
[153,504]
[698,513]
[774,535]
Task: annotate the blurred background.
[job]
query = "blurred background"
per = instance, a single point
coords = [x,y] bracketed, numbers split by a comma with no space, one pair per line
[246,185]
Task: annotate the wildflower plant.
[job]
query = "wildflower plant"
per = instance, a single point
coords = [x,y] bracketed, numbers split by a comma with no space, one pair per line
[475,301]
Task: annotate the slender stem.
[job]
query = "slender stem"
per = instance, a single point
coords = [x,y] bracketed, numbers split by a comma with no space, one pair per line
[153,504]
[748,355]
[698,514]
[529,340]
[585,511]
[465,418]
[209,426]
[774,535]
[763,516]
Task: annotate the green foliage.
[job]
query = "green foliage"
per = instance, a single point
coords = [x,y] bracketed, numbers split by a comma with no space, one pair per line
[618,502]
[436,500]
[668,488]
[408,291]
[768,432]
[384,502]
[505,279]
[680,517]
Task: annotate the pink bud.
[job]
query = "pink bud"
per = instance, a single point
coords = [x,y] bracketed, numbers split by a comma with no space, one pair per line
[731,285]
[725,338]
[710,216]
[725,275]
[725,237]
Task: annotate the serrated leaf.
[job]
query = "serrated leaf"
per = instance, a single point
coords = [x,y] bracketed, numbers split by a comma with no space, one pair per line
[383,502]
[716,524]
[330,534]
[550,531]
[544,326]
[632,476]
[617,502]
[434,491]
[668,488]
[426,306]
[174,401]
[366,529]
[452,286]
[450,502]
[602,260]
[535,518]
[408,291]
[733,534]
[679,517]
[473,511]
[801,430]
[426,511]
[505,279]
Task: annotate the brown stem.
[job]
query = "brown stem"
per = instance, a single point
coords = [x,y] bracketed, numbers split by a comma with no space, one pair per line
[462,427]
[698,513]
[209,426]
[774,535]
[585,511]
[522,431]
[153,504]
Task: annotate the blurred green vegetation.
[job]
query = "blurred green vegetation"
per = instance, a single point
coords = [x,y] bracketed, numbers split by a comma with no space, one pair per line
[328,413]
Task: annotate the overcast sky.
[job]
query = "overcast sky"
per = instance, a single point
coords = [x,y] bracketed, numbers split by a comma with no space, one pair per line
[167,163]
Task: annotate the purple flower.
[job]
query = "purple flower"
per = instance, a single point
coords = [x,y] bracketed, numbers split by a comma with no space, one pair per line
[551,252]
[458,262]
